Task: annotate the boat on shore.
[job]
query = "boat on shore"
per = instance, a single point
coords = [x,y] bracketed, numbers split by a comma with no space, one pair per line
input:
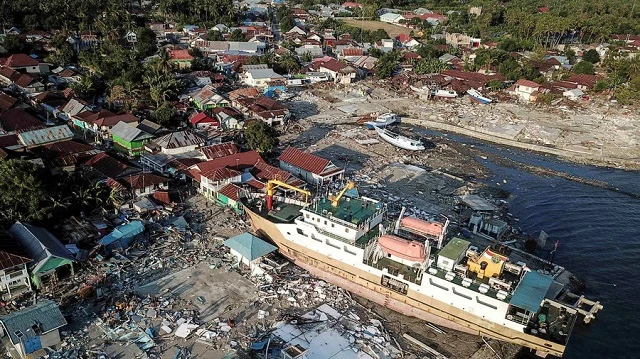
[476,96]
[382,121]
[398,140]
[415,267]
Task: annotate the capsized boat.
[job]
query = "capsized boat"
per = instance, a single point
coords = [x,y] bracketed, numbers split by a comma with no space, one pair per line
[399,140]
[382,121]
[478,97]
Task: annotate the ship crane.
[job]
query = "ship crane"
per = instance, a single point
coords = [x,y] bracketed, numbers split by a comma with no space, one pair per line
[272,185]
[335,201]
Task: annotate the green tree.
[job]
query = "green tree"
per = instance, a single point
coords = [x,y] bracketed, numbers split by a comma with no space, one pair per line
[237,35]
[495,85]
[386,65]
[289,62]
[306,57]
[147,44]
[592,56]
[164,114]
[261,137]
[287,23]
[15,44]
[215,35]
[24,193]
[583,67]
[430,66]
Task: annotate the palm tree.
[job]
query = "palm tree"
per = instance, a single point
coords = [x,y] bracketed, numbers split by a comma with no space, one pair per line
[289,62]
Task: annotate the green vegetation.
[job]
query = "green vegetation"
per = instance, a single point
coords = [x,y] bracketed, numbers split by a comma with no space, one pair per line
[584,67]
[261,137]
[30,193]
[386,64]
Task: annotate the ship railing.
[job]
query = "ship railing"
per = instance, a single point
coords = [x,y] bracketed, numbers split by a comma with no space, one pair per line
[413,278]
[334,236]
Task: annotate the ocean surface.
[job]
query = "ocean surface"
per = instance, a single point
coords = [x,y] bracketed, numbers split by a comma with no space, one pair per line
[599,239]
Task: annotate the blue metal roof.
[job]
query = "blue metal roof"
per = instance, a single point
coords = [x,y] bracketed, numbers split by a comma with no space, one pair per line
[249,246]
[531,291]
[124,234]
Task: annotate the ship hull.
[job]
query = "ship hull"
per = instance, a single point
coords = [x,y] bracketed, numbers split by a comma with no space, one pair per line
[413,304]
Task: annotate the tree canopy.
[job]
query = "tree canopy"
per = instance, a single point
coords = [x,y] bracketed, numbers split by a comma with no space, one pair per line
[583,67]
[261,137]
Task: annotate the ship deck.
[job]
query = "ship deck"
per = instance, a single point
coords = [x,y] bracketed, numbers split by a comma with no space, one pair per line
[281,213]
[352,210]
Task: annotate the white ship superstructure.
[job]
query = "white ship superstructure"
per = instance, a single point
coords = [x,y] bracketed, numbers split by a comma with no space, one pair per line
[408,266]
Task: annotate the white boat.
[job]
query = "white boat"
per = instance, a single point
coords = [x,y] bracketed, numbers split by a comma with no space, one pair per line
[445,93]
[382,121]
[478,97]
[399,140]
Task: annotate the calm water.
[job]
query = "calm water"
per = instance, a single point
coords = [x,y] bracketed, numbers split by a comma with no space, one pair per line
[599,234]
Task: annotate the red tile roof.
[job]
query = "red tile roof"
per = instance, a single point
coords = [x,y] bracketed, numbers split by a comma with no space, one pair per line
[219,174]
[107,165]
[352,4]
[219,150]
[11,254]
[6,101]
[20,60]
[24,80]
[163,197]
[202,118]
[143,180]
[334,65]
[109,121]
[9,140]
[243,92]
[472,76]
[18,120]
[230,191]
[306,161]
[583,80]
[180,55]
[267,172]
[527,83]
[238,161]
[352,51]
[255,184]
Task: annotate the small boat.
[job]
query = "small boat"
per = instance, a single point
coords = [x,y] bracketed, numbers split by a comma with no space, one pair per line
[476,96]
[399,140]
[382,121]
[445,93]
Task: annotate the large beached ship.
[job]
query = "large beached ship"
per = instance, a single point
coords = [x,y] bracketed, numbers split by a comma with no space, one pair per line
[410,265]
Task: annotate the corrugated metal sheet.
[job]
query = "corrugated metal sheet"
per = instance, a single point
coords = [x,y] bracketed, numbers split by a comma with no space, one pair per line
[46,135]
[306,161]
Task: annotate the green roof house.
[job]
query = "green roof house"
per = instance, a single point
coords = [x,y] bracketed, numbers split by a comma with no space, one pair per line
[249,250]
[47,252]
[129,139]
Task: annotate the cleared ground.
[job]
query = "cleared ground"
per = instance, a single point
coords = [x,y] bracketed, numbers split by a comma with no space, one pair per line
[392,30]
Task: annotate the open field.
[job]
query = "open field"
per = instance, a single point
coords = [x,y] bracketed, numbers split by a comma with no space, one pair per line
[392,30]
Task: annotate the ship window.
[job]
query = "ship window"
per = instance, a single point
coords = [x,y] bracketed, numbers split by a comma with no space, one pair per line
[438,285]
[318,219]
[461,294]
[325,223]
[307,215]
[332,225]
[486,304]
[346,249]
[300,232]
[346,230]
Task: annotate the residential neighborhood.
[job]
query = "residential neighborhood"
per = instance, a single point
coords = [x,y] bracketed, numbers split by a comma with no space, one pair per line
[140,140]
